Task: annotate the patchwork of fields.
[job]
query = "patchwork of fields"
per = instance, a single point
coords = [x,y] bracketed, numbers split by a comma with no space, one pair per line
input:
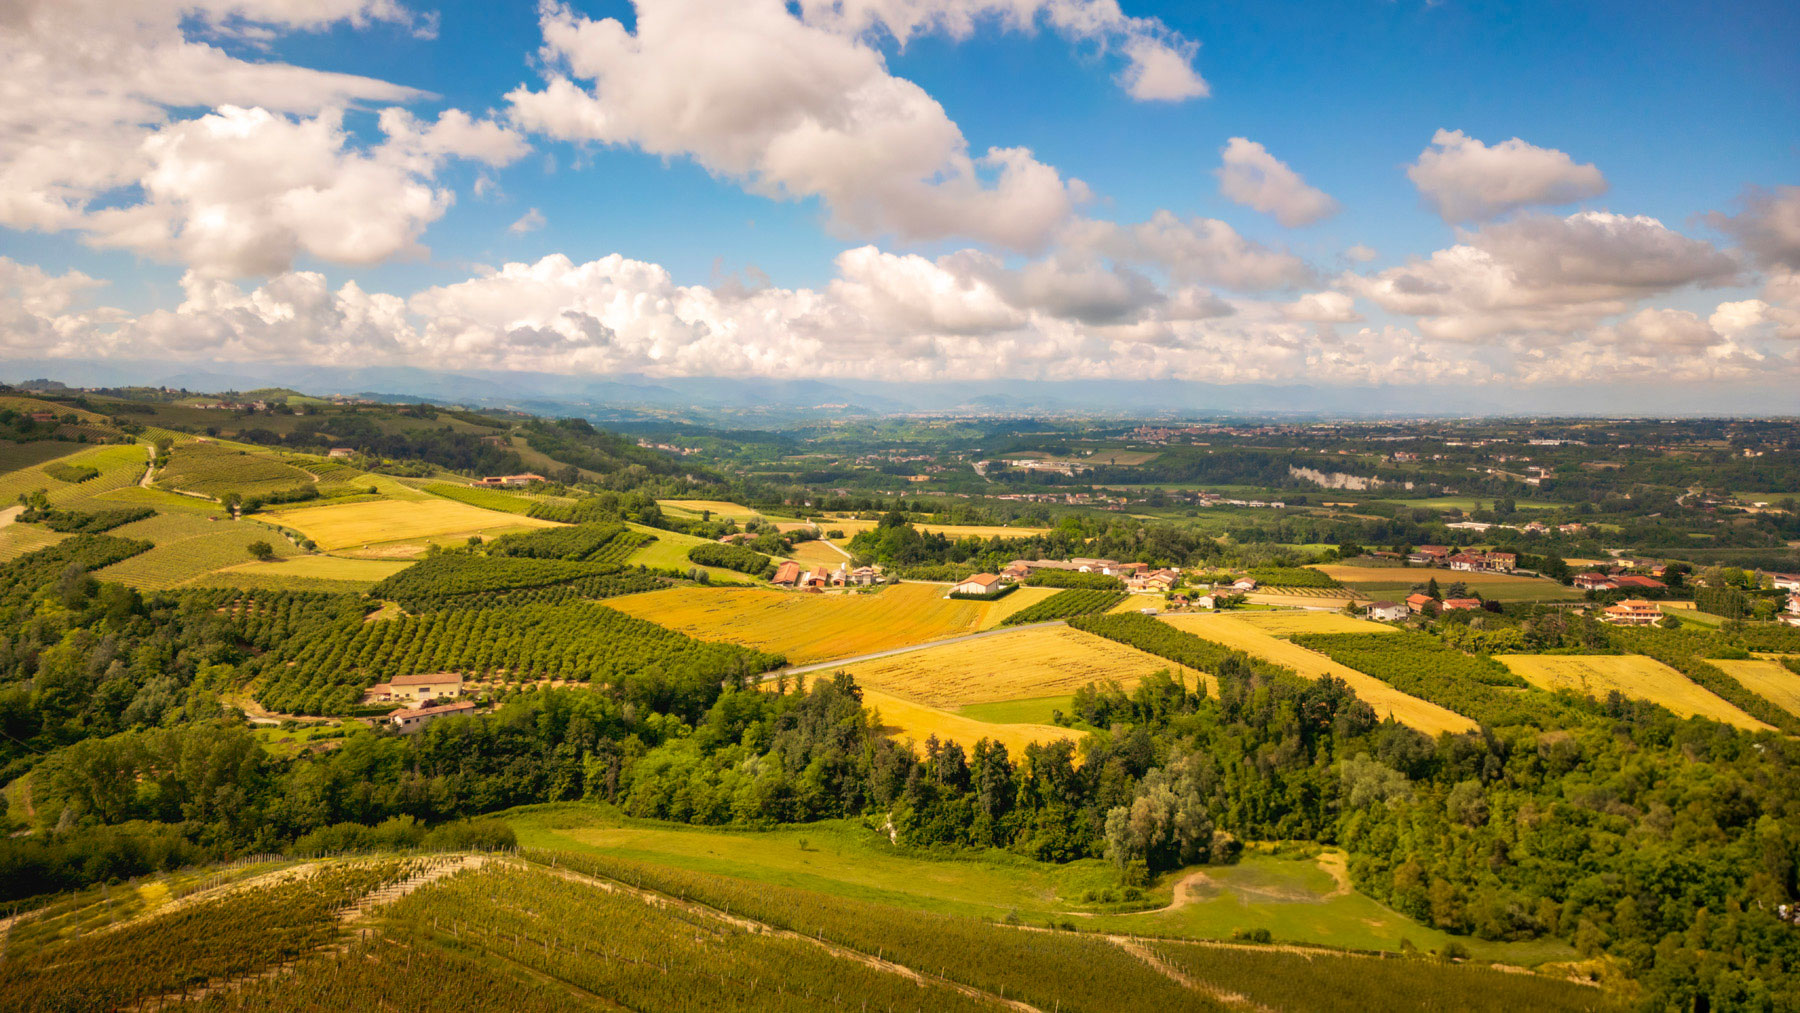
[1236,631]
[1631,674]
[820,627]
[1020,664]
[386,522]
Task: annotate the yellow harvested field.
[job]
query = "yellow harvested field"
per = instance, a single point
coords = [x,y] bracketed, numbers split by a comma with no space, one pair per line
[364,524]
[1768,679]
[721,509]
[816,553]
[1019,665]
[1632,675]
[905,720]
[1233,631]
[1335,601]
[820,627]
[367,571]
[1286,623]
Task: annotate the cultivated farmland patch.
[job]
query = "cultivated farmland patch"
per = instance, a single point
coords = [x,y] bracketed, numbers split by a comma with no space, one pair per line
[365,524]
[1768,679]
[814,627]
[1231,631]
[1020,664]
[1633,675]
[904,719]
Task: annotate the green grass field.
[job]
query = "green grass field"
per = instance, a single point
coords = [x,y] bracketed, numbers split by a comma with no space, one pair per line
[1035,711]
[670,550]
[1299,901]
[487,499]
[188,547]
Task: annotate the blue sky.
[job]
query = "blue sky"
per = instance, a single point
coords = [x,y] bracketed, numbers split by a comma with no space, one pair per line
[191,239]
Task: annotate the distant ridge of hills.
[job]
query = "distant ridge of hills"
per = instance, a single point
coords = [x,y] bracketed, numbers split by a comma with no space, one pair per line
[625,397]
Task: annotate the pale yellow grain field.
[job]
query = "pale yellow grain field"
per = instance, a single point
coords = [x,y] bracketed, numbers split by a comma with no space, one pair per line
[351,525]
[1232,631]
[1768,679]
[820,627]
[1284,624]
[906,720]
[1632,675]
[1020,665]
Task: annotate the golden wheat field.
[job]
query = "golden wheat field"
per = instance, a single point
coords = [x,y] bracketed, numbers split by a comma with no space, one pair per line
[1234,631]
[906,720]
[1288,623]
[1018,665]
[1631,674]
[365,571]
[359,524]
[820,627]
[817,553]
[720,509]
[1768,679]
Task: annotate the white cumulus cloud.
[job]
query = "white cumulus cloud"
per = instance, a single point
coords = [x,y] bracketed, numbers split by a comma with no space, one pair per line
[1250,176]
[1465,180]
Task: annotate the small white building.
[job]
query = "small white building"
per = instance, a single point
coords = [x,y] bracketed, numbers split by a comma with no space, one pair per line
[414,720]
[1387,611]
[981,583]
[415,688]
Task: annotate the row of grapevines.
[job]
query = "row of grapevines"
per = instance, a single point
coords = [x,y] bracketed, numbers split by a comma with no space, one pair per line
[1075,579]
[1064,604]
[83,522]
[575,543]
[1293,576]
[732,557]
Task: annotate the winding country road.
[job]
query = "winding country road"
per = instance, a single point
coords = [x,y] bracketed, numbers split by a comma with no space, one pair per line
[908,649]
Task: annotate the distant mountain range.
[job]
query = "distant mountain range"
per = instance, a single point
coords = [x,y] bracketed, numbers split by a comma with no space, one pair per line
[760,401]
